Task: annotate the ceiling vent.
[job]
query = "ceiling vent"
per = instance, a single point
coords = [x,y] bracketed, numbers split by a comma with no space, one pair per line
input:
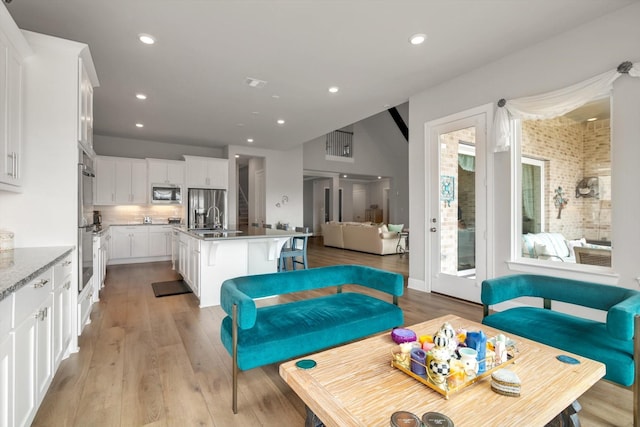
[257,83]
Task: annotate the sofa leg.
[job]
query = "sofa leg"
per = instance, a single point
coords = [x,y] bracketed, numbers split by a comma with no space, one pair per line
[636,374]
[234,339]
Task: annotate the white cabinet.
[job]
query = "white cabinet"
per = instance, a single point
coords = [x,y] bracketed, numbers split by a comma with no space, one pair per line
[33,364]
[6,362]
[101,244]
[105,244]
[194,266]
[62,315]
[183,250]
[189,261]
[131,182]
[207,172]
[120,181]
[85,107]
[6,380]
[12,53]
[129,241]
[139,243]
[165,172]
[105,184]
[85,300]
[175,249]
[160,240]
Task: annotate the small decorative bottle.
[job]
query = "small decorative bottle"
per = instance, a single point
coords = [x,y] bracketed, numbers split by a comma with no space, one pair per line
[439,367]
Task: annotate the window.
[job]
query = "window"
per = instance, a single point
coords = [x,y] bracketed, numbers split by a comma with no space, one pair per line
[565,185]
[533,179]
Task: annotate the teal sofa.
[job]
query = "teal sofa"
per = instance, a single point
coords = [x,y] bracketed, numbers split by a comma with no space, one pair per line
[260,336]
[610,342]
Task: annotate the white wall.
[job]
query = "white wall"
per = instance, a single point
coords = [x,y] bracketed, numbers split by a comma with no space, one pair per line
[578,54]
[283,176]
[46,212]
[142,149]
[379,149]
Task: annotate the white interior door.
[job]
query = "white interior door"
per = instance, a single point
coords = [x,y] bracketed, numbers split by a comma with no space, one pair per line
[359,204]
[456,229]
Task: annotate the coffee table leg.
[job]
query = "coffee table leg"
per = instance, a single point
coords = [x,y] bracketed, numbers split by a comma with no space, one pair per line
[568,417]
[312,419]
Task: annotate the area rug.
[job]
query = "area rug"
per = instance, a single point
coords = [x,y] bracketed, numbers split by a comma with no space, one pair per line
[173,287]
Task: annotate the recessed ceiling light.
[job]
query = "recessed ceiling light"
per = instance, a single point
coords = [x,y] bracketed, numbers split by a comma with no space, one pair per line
[146,38]
[379,177]
[237,156]
[141,96]
[275,96]
[280,121]
[139,125]
[334,89]
[417,39]
[249,140]
[592,119]
[344,176]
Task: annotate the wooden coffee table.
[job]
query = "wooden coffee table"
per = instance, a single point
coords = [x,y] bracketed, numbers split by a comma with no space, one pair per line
[355,384]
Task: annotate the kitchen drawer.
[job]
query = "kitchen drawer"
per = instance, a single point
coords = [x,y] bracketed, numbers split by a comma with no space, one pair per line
[6,315]
[32,295]
[62,272]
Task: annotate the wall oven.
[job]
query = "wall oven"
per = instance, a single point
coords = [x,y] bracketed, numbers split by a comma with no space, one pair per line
[85,220]
[166,194]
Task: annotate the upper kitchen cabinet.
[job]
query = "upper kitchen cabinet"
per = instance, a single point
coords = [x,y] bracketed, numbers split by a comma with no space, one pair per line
[13,51]
[207,172]
[165,172]
[85,105]
[120,181]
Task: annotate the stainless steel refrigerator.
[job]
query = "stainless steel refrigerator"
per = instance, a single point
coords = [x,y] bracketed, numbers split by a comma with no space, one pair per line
[207,208]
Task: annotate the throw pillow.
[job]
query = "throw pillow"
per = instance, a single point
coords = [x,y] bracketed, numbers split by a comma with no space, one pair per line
[543,251]
[396,227]
[573,243]
[383,228]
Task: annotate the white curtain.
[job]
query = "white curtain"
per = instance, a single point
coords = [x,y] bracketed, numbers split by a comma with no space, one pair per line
[552,104]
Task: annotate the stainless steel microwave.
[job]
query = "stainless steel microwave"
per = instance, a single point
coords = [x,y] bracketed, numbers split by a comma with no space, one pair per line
[166,194]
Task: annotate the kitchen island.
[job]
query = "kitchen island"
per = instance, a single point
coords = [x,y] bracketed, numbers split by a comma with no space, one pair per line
[206,258]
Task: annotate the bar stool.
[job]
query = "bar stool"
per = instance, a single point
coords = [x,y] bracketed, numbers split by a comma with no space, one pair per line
[297,249]
[266,226]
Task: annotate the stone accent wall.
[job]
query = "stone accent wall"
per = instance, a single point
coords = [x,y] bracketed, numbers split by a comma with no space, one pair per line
[572,151]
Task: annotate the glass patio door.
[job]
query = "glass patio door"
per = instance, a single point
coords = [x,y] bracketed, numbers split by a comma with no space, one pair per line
[458,205]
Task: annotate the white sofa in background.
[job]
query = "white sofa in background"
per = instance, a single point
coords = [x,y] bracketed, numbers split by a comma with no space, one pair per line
[361,236]
[555,247]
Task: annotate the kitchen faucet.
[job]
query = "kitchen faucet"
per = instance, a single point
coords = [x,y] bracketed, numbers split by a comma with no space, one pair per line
[216,219]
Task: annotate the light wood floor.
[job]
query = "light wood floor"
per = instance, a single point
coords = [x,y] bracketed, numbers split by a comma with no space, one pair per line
[147,361]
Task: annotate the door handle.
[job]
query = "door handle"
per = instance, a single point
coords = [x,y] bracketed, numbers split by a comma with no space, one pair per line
[433,229]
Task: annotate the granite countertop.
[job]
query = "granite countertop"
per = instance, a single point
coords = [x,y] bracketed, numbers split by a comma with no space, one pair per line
[245,233]
[132,224]
[21,265]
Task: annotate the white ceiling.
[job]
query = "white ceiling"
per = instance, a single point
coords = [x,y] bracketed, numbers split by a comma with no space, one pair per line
[195,74]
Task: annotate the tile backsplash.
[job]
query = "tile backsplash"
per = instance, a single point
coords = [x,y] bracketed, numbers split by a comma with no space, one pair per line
[135,214]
